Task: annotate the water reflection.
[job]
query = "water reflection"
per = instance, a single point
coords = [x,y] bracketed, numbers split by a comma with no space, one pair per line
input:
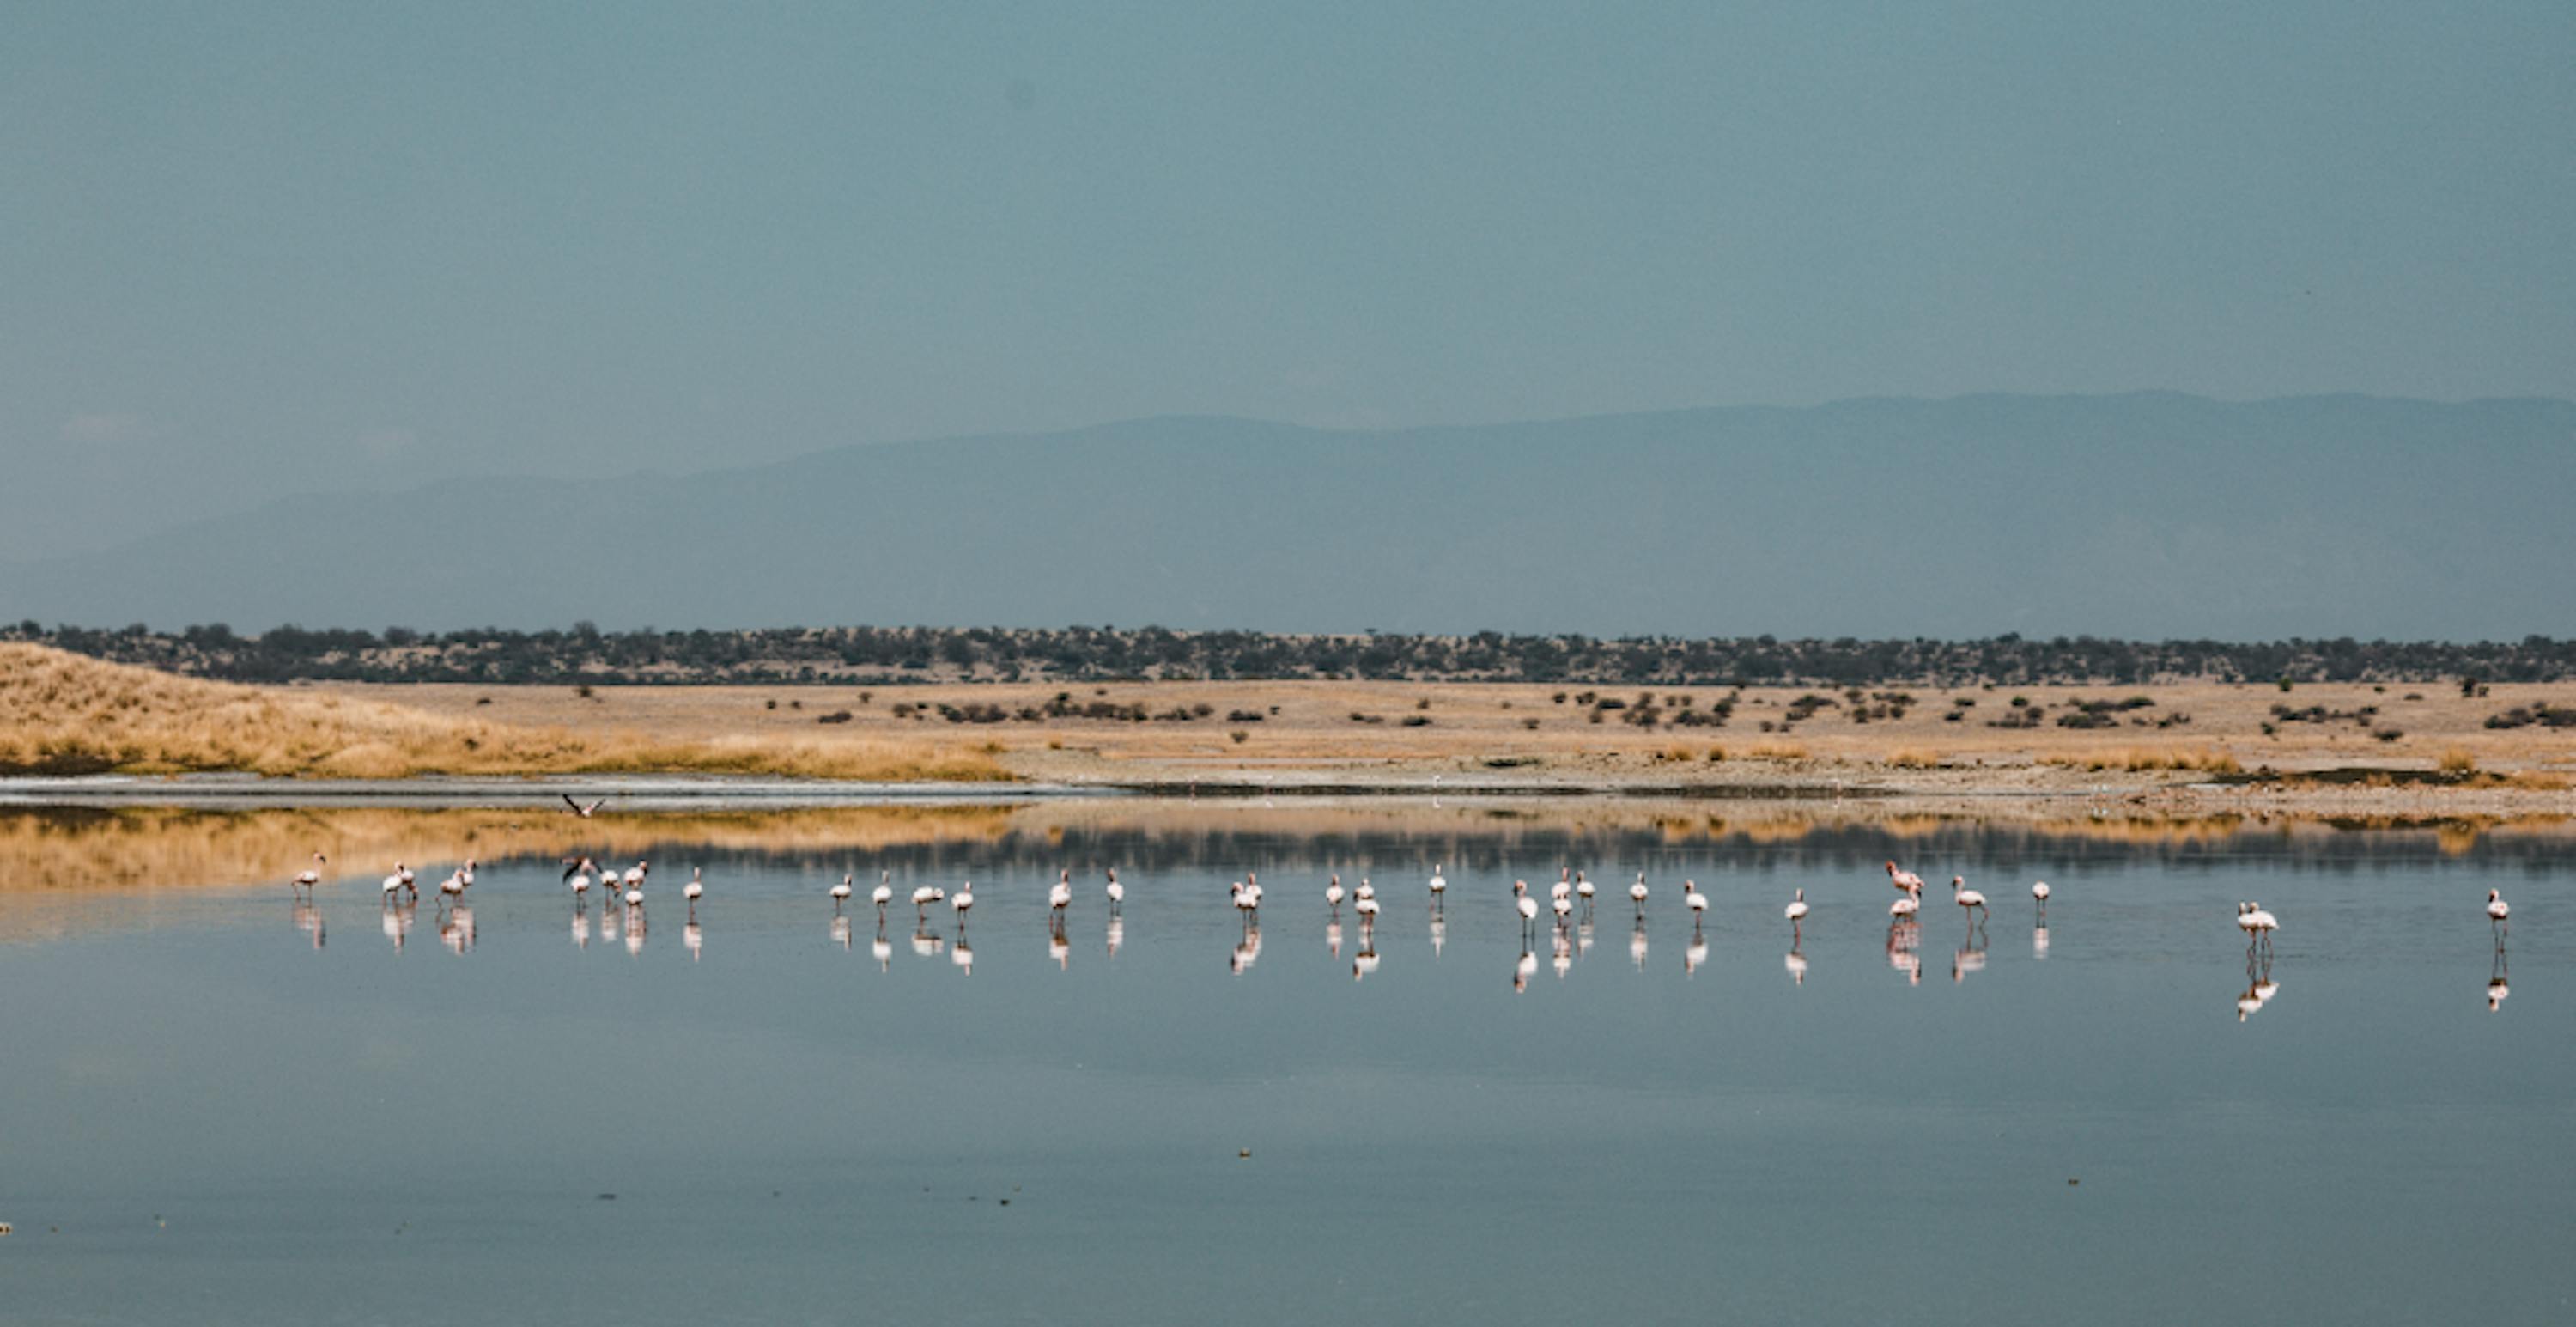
[2259,985]
[456,928]
[1904,942]
[693,939]
[1637,943]
[1970,956]
[1439,934]
[1247,950]
[2039,942]
[1796,963]
[1116,933]
[2497,989]
[841,931]
[308,919]
[1694,953]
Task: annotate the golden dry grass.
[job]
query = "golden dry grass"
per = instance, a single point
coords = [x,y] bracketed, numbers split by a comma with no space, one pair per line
[63,713]
[2138,759]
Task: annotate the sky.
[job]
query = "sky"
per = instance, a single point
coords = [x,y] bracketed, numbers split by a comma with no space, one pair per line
[257,249]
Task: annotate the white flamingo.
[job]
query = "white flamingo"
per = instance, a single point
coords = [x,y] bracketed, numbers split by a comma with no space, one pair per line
[1439,884]
[577,878]
[964,900]
[841,896]
[1584,890]
[1968,899]
[634,875]
[1637,894]
[923,896]
[1694,900]
[2497,912]
[2039,893]
[393,883]
[1796,912]
[1117,898]
[1906,882]
[309,876]
[1366,890]
[1528,908]
[883,894]
[1564,906]
[409,888]
[2262,923]
[694,890]
[1333,895]
[1564,886]
[1905,906]
[1060,894]
[1367,909]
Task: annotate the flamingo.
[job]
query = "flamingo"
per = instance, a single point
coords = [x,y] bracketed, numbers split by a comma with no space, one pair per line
[577,875]
[634,901]
[1696,901]
[405,873]
[1905,906]
[2261,923]
[309,876]
[1117,898]
[1637,894]
[2497,912]
[1968,899]
[841,895]
[1528,908]
[1583,890]
[883,894]
[452,889]
[964,900]
[1367,909]
[923,896]
[634,874]
[1366,890]
[393,884]
[1333,895]
[2039,892]
[1563,888]
[1906,882]
[1439,885]
[1060,894]
[585,812]
[693,891]
[1796,912]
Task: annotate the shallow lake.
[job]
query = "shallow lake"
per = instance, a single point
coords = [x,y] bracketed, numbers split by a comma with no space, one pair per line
[223,1106]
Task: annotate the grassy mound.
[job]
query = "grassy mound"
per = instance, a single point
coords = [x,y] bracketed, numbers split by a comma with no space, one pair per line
[63,713]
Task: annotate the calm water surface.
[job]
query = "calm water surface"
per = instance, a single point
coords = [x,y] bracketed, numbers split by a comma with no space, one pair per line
[222,1108]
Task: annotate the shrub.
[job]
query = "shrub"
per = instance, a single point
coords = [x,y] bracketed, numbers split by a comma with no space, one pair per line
[836,716]
[2457,761]
[1239,735]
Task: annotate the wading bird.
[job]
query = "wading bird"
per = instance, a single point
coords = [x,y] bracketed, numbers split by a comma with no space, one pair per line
[1969,900]
[2497,912]
[1796,912]
[693,891]
[1694,900]
[841,895]
[1637,894]
[1906,882]
[309,876]
[1117,898]
[965,900]
[883,894]
[2039,894]
[1333,895]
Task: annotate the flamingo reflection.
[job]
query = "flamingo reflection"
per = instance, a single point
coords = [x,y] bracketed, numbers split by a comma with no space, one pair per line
[1796,963]
[692,939]
[1524,967]
[398,919]
[1247,950]
[1903,936]
[2497,989]
[1059,949]
[1364,962]
[1637,945]
[1117,933]
[1439,935]
[2039,942]
[841,932]
[882,950]
[1694,953]
[1970,957]
[1561,953]
[635,935]
[1333,938]
[456,929]
[2259,986]
[962,954]
[926,943]
[308,919]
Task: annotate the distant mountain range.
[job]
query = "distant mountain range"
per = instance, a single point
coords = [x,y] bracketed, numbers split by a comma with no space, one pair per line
[2150,515]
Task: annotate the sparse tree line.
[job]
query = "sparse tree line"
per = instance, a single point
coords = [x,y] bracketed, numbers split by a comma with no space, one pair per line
[892,656]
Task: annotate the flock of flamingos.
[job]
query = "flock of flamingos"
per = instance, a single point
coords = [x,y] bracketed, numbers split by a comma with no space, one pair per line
[1570,900]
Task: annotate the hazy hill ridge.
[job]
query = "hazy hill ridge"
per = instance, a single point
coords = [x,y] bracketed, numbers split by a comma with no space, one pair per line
[2143,515]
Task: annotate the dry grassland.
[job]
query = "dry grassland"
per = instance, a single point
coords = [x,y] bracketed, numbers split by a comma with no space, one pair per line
[63,713]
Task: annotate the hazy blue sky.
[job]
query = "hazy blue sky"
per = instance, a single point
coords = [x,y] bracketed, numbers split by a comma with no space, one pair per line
[247,248]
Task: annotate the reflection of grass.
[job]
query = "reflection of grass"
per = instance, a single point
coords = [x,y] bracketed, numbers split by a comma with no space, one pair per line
[144,847]
[62,713]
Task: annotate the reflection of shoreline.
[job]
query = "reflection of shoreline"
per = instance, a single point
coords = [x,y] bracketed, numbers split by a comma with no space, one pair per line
[45,850]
